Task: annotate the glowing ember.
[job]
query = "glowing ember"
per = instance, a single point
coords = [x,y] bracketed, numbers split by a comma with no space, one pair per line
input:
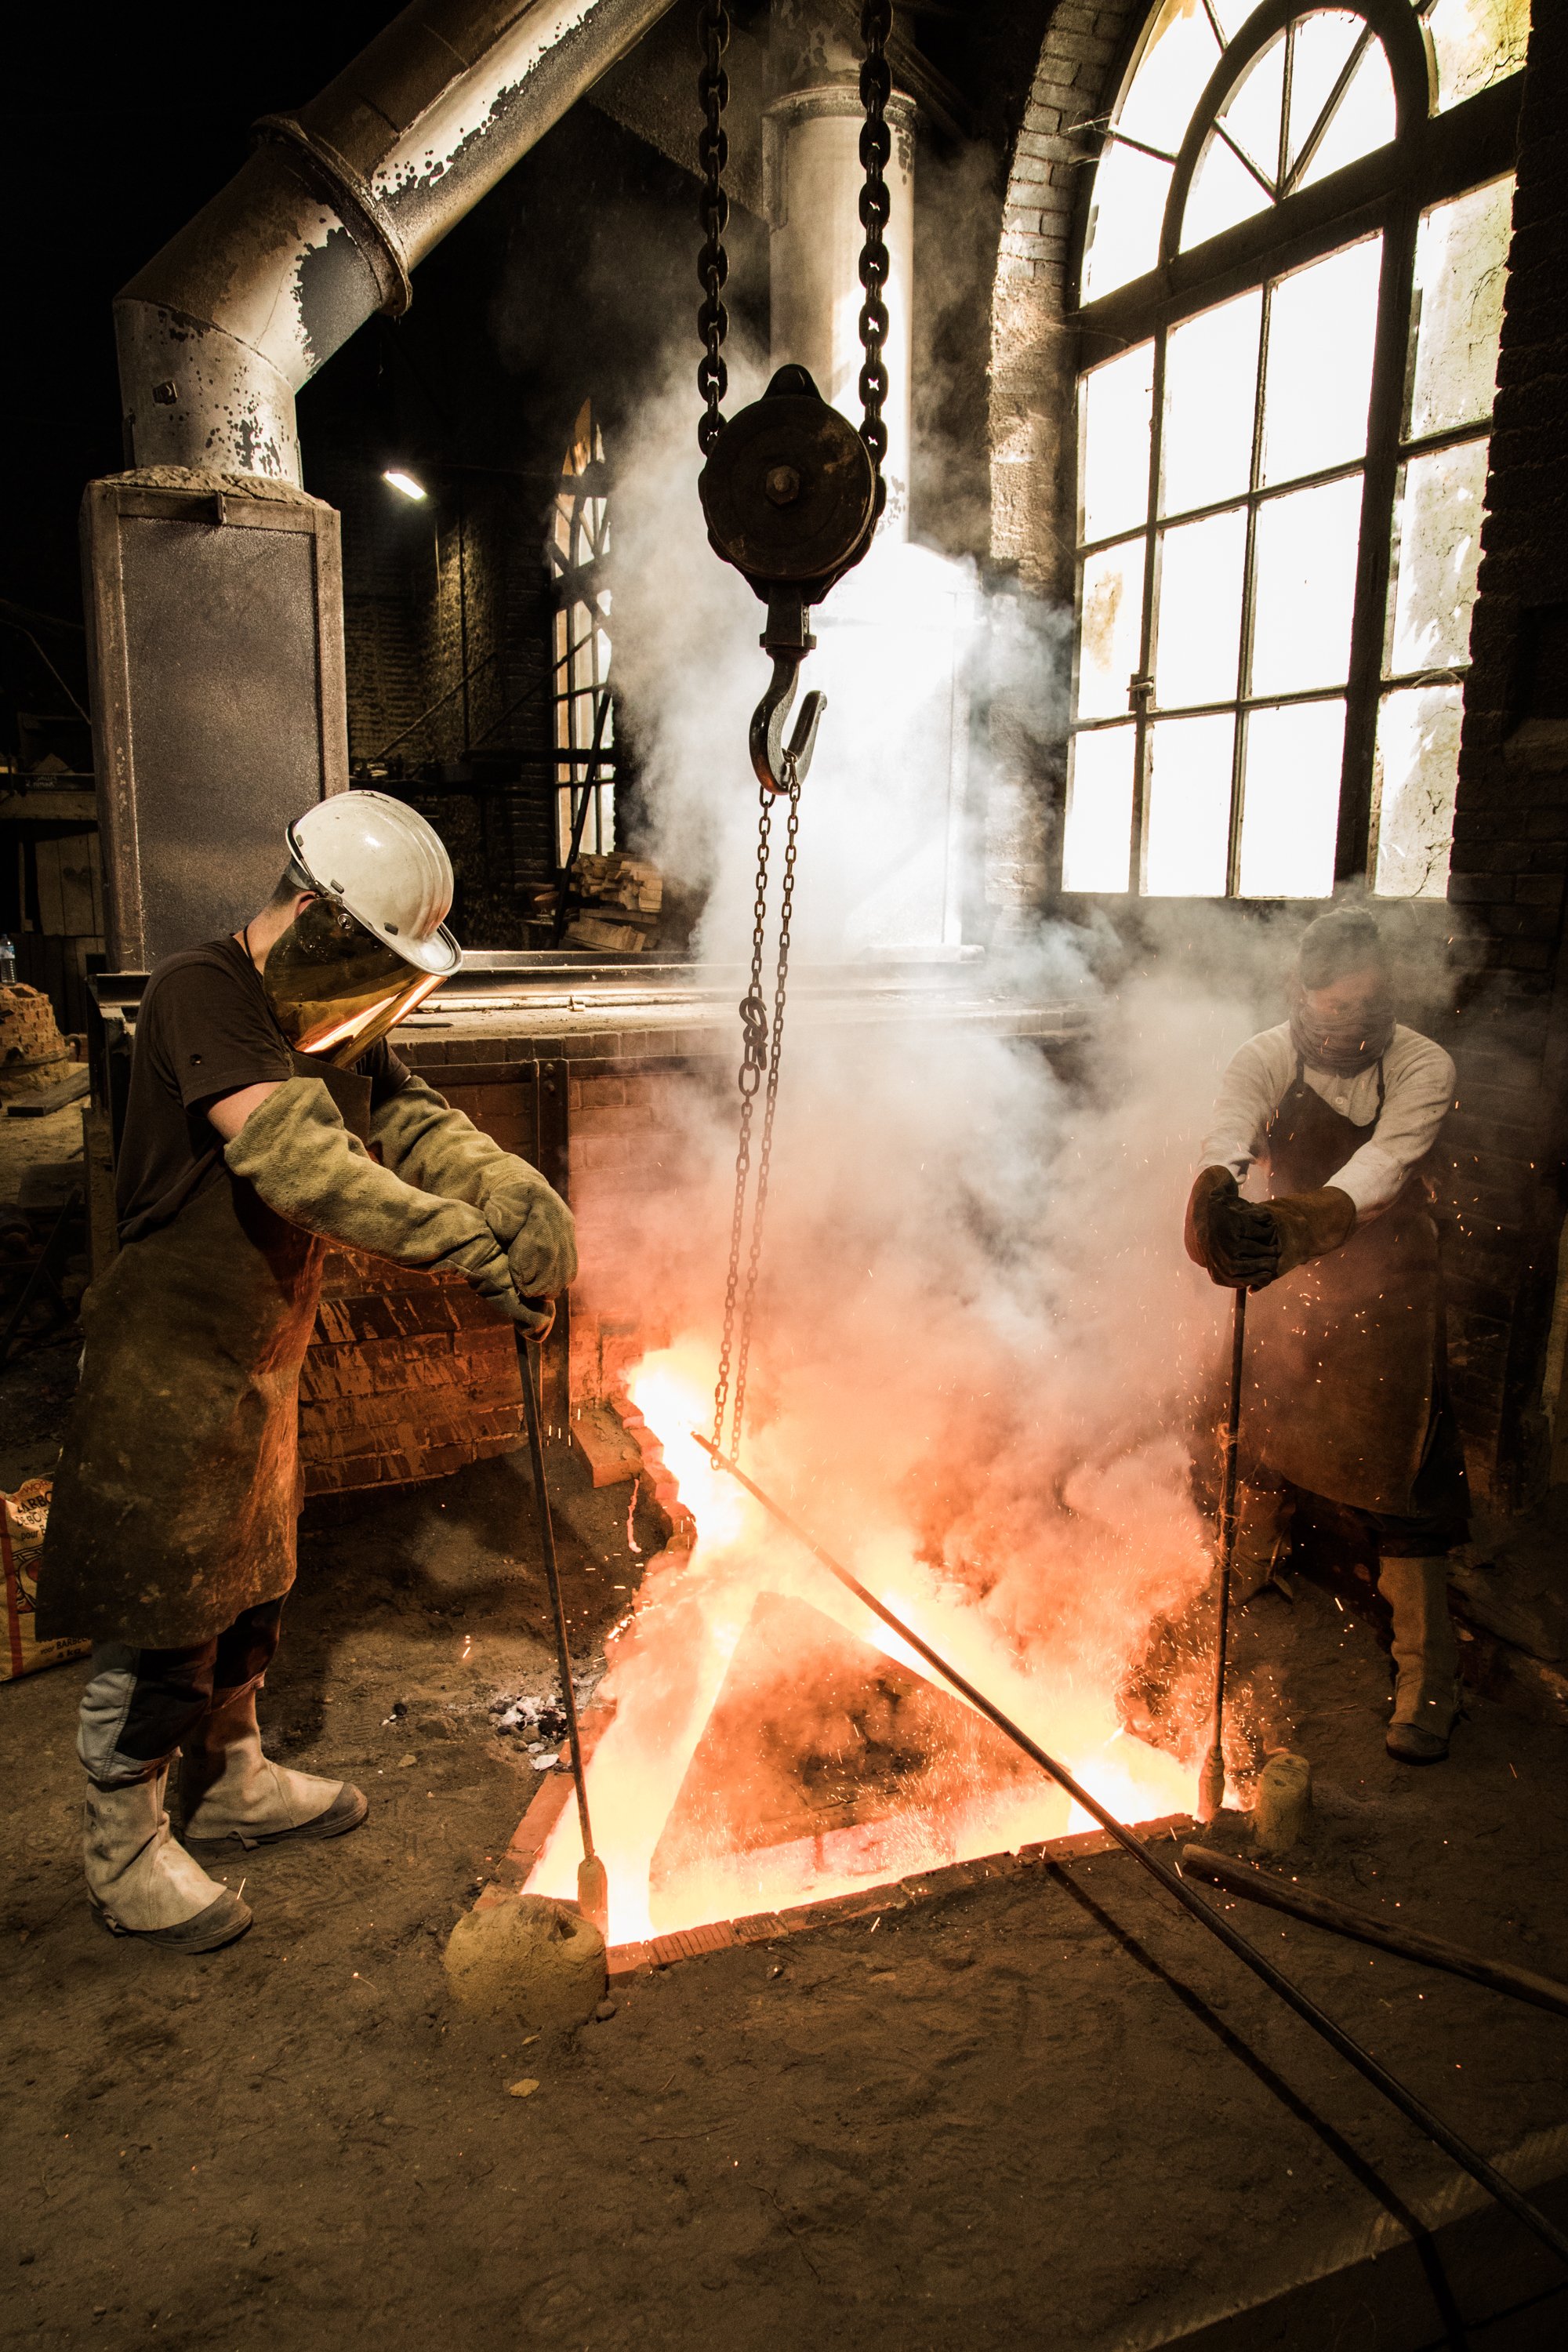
[823,1795]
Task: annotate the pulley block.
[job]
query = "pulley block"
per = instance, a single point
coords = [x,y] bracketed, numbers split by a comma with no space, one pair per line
[791,498]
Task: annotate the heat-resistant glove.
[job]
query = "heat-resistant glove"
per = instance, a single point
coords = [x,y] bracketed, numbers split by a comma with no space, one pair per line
[1309,1224]
[302,1160]
[427,1143]
[1230,1238]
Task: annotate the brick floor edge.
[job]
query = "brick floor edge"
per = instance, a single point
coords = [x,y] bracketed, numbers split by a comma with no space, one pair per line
[554,1796]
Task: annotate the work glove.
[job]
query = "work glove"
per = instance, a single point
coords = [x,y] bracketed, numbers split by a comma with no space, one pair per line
[427,1143]
[1309,1224]
[1232,1239]
[303,1163]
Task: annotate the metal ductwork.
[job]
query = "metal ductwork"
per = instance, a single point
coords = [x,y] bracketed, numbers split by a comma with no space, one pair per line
[214,598]
[337,205]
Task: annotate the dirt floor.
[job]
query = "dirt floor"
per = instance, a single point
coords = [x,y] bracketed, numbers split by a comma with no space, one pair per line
[1049,2113]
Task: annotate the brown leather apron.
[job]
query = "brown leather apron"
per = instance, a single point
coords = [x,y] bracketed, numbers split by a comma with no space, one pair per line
[1343,1354]
[176,1501]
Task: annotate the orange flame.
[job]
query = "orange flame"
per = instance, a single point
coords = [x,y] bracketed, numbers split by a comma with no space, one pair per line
[666,1672]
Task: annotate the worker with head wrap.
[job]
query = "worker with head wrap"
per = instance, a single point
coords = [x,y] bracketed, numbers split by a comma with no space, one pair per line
[1345,1396]
[262,1084]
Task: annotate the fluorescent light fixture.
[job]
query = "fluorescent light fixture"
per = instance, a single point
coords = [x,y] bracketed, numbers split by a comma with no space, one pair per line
[403,480]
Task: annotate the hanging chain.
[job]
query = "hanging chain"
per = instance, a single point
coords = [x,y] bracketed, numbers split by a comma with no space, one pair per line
[762,1042]
[754,1065]
[712,262]
[770,1100]
[876,147]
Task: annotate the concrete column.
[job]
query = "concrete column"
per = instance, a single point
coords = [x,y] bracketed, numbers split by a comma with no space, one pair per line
[813,177]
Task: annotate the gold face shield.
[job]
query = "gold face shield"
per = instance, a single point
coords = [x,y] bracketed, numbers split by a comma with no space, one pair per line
[335,989]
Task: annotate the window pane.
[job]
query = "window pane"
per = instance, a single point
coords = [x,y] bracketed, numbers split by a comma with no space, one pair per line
[1437,547]
[1188,835]
[1211,379]
[1178,57]
[1097,834]
[1304,587]
[1461,269]
[1223,192]
[1251,113]
[1198,622]
[1290,800]
[1110,629]
[1322,49]
[1113,440]
[1416,773]
[1478,42]
[1129,191]
[1364,120]
[1322,324]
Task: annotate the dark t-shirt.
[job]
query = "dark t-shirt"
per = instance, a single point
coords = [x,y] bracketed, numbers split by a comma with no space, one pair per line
[205,1030]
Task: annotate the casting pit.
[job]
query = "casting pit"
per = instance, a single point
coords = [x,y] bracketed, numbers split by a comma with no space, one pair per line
[763,1754]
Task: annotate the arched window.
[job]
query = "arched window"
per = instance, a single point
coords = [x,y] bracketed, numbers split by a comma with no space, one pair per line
[1290,299]
[585,722]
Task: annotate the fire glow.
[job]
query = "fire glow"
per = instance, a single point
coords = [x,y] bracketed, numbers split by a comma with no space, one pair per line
[669,1669]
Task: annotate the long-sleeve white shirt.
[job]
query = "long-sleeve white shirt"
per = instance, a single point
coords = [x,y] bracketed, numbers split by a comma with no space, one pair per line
[1419,1093]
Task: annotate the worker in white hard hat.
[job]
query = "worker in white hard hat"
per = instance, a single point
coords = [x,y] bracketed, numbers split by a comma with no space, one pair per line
[260,1080]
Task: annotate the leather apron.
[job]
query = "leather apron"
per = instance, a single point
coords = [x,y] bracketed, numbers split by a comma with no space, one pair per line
[179,1485]
[1343,1353]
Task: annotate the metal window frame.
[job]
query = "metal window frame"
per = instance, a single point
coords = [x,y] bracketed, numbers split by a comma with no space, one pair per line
[583,774]
[1432,157]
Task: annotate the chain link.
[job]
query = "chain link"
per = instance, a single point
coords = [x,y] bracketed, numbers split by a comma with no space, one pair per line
[754,1065]
[713,211]
[876,147]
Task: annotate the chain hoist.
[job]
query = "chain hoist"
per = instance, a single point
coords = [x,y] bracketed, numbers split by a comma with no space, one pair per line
[791,493]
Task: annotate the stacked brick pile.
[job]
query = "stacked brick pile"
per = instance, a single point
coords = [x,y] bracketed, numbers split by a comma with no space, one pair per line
[33,1053]
[409,1376]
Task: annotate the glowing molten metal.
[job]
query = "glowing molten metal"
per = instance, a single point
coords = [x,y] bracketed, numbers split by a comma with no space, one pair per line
[773,1744]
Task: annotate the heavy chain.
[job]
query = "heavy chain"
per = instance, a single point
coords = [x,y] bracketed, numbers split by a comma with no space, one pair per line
[770,1100]
[876,88]
[753,1068]
[712,262]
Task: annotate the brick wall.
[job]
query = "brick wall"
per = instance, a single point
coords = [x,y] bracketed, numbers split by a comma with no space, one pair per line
[1034,360]
[1033,350]
[1511,834]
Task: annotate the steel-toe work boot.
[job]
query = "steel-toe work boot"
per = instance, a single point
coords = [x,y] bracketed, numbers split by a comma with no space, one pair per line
[140,1881]
[232,1791]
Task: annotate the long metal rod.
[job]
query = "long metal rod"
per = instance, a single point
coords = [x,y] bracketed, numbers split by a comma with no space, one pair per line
[552,1578]
[1211,1780]
[1408,1943]
[1468,2159]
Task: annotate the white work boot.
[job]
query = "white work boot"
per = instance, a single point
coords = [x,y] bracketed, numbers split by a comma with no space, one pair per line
[1426,1656]
[143,1883]
[232,1791]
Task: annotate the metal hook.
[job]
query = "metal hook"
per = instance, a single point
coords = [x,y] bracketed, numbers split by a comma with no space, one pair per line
[789,640]
[769,754]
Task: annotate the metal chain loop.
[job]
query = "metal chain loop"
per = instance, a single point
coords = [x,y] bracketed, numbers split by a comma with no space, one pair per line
[761,1040]
[876,147]
[754,1065]
[713,211]
[770,1103]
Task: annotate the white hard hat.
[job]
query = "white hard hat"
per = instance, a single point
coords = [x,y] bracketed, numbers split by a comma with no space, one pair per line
[381,861]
